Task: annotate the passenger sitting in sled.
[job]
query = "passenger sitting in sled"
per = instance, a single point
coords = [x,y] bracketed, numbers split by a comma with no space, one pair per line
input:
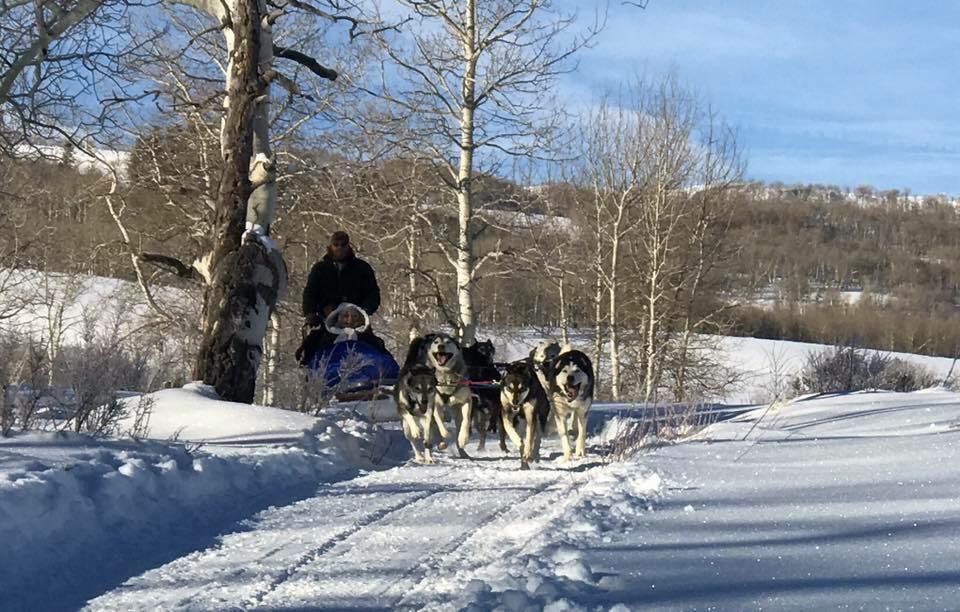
[350,322]
[345,353]
[345,322]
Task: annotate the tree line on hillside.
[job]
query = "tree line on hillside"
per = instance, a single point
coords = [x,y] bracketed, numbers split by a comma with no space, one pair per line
[438,141]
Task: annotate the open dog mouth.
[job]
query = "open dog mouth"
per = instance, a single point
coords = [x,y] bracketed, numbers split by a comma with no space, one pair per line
[442,358]
[572,391]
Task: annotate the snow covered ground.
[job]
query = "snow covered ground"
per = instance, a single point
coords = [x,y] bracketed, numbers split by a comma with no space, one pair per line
[761,365]
[78,515]
[836,501]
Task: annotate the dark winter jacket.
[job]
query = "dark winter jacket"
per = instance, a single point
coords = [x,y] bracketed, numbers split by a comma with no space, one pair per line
[331,283]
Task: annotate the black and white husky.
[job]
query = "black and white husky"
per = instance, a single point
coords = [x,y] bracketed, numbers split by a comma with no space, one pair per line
[442,353]
[571,394]
[522,396]
[415,395]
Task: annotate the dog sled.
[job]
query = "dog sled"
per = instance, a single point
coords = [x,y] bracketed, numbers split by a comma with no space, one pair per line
[346,360]
[353,370]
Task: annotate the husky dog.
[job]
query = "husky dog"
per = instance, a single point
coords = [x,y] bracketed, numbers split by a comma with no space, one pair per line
[543,355]
[443,354]
[486,399]
[521,396]
[415,394]
[571,392]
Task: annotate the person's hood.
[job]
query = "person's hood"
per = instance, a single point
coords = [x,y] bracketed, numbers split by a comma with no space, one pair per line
[331,321]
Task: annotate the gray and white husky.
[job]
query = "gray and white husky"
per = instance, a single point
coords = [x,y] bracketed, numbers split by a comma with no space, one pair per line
[571,393]
[442,353]
[415,394]
[522,397]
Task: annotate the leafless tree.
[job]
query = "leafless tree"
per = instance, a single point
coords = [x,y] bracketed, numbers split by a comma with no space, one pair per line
[472,82]
[243,270]
[661,169]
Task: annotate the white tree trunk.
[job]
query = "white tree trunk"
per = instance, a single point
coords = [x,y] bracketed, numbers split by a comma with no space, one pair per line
[649,390]
[613,318]
[465,258]
[416,322]
[564,323]
[598,303]
[271,351]
[55,339]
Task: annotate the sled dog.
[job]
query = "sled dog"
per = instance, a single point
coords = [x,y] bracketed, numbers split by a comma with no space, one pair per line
[571,393]
[415,395]
[522,396]
[486,397]
[442,353]
[543,355]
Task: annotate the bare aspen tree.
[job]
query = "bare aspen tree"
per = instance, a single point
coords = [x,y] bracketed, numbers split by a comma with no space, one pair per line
[661,170]
[244,271]
[472,78]
[615,164]
[719,170]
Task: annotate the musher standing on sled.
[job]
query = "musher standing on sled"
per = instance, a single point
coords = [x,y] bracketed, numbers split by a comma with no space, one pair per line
[340,277]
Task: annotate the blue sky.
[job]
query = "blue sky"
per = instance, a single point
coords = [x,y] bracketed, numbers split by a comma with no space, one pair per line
[846,92]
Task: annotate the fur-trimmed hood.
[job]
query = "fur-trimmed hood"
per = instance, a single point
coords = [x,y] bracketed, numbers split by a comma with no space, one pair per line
[346,333]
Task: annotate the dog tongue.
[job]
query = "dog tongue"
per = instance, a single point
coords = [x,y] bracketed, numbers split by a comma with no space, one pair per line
[572,392]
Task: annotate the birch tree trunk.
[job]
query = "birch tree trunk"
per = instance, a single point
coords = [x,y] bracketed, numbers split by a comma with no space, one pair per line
[612,314]
[598,300]
[564,322]
[247,274]
[465,259]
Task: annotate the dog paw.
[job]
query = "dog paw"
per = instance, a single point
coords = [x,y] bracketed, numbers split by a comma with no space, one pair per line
[441,445]
[524,465]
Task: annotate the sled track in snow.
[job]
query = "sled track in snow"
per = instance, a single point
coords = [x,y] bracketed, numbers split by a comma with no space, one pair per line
[467,553]
[313,555]
[405,538]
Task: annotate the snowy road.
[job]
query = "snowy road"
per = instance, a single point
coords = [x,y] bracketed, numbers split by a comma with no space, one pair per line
[849,502]
[407,537]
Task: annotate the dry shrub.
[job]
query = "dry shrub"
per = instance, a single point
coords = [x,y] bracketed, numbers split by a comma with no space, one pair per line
[842,369]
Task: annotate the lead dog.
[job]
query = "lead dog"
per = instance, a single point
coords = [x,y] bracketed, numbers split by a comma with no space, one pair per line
[442,353]
[415,394]
[571,393]
[522,396]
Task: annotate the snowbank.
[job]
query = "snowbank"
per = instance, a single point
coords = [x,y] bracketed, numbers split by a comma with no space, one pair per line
[89,511]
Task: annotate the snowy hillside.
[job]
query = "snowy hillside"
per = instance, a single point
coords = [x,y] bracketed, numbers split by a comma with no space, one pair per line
[760,364]
[30,302]
[31,296]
